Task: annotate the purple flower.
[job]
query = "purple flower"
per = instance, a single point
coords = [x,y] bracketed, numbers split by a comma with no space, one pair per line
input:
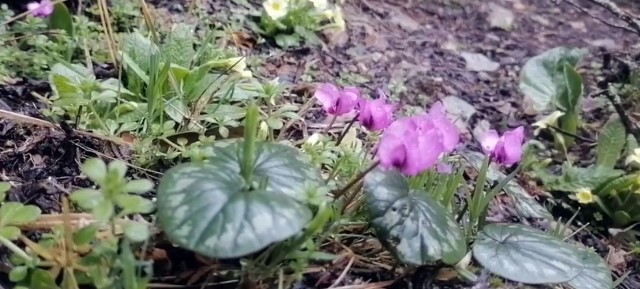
[375,114]
[335,101]
[42,9]
[505,149]
[414,144]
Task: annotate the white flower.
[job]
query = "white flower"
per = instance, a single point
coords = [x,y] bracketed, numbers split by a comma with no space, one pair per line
[276,8]
[328,13]
[633,159]
[319,4]
[545,122]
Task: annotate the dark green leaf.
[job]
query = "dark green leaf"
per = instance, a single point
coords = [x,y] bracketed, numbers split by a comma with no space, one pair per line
[176,109]
[595,272]
[416,228]
[523,254]
[576,178]
[61,19]
[610,143]
[542,78]
[206,207]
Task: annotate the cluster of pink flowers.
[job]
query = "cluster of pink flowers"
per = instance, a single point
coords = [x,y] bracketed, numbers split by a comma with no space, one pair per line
[40,9]
[416,143]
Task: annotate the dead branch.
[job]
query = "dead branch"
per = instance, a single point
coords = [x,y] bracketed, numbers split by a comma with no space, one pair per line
[632,22]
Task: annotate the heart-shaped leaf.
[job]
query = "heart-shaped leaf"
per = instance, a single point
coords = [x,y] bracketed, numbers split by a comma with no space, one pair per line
[523,254]
[595,272]
[542,79]
[209,208]
[416,228]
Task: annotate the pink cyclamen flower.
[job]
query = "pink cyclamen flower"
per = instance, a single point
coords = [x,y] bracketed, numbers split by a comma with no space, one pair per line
[448,130]
[505,149]
[336,101]
[42,9]
[375,114]
[414,144]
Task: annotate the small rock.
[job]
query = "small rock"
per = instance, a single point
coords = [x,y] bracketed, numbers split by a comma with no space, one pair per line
[479,62]
[481,127]
[500,17]
[606,43]
[404,21]
[459,110]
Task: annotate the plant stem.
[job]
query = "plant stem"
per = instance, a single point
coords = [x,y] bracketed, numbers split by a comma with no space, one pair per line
[475,208]
[346,130]
[248,151]
[355,180]
[15,249]
[333,121]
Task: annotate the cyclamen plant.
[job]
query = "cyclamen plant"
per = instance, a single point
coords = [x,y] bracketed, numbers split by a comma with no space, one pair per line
[40,9]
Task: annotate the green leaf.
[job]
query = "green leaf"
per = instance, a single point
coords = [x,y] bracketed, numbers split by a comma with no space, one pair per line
[134,204]
[85,235]
[287,40]
[10,232]
[41,279]
[95,169]
[65,82]
[18,273]
[140,49]
[136,231]
[178,47]
[523,254]
[526,206]
[4,189]
[570,98]
[87,198]
[12,213]
[414,227]
[208,208]
[61,19]
[595,273]
[138,186]
[542,78]
[576,178]
[610,143]
[103,211]
[176,109]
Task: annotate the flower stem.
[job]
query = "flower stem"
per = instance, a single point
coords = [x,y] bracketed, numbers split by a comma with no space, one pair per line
[248,151]
[355,180]
[333,121]
[346,130]
[15,249]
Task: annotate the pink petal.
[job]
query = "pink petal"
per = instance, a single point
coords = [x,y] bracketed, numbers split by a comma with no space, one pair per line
[489,141]
[327,94]
[511,147]
[33,6]
[347,101]
[449,131]
[379,115]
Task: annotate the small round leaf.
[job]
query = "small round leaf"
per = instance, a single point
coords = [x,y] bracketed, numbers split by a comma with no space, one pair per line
[10,232]
[87,198]
[138,186]
[95,169]
[136,231]
[12,213]
[18,273]
[416,228]
[523,254]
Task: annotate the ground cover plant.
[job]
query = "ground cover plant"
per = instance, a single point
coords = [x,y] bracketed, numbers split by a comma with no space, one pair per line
[319,144]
